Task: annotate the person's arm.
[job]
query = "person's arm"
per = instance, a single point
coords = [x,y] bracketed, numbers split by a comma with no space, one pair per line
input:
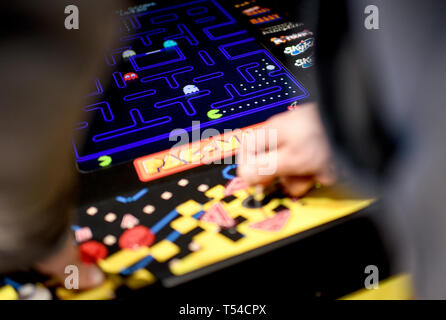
[382,100]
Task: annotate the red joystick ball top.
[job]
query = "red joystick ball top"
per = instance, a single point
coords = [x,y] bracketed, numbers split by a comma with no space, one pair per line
[92,251]
[136,237]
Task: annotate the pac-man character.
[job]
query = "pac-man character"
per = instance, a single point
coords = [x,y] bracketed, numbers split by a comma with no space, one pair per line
[130,76]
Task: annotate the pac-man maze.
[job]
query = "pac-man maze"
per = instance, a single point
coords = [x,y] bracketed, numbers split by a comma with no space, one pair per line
[175,65]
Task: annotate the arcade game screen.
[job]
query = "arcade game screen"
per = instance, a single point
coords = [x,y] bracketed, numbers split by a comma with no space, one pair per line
[160,198]
[186,66]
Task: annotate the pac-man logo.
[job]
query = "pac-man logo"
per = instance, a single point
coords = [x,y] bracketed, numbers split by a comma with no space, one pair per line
[185,157]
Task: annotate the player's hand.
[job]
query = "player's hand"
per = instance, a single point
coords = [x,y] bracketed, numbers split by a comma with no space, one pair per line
[90,275]
[300,158]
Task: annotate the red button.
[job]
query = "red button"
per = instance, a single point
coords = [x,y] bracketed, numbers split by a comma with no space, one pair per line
[136,237]
[92,251]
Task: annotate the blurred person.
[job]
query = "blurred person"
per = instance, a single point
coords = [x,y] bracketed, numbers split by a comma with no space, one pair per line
[46,70]
[382,104]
